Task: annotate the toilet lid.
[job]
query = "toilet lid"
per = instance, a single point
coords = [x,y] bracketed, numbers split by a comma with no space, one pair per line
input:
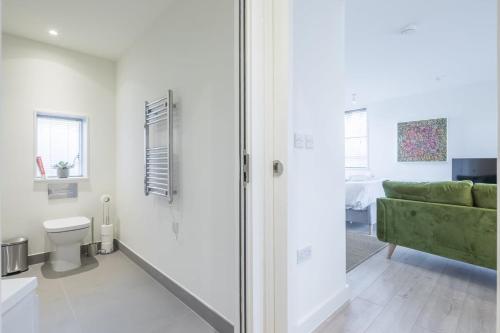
[66,224]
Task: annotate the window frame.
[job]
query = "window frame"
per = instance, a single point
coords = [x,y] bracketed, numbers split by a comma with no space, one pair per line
[84,142]
[367,167]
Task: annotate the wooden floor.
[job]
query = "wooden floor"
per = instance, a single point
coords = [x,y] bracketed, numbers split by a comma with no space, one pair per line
[417,292]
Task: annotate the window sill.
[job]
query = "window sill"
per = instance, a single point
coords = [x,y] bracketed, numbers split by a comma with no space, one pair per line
[61,180]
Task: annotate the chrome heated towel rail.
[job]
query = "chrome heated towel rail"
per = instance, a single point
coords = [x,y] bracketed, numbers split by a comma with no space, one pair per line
[158,158]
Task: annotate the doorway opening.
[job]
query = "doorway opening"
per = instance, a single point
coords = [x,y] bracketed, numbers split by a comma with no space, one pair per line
[121,124]
[420,77]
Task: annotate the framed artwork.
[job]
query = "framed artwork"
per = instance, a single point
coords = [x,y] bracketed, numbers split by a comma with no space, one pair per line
[423,141]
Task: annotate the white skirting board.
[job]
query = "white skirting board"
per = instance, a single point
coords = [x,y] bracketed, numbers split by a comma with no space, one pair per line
[316,317]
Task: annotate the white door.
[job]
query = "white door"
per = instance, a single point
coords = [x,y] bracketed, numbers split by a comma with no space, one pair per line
[303,95]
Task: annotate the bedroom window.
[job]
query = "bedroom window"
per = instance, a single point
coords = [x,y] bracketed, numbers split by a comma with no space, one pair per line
[60,138]
[356,139]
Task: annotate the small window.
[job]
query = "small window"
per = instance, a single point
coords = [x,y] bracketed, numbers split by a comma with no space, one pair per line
[356,139]
[60,138]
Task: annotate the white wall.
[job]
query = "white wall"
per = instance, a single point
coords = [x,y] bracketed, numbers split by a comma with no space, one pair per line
[316,177]
[472,115]
[39,76]
[190,50]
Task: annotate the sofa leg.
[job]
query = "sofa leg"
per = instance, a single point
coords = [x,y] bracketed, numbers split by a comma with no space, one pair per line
[390,250]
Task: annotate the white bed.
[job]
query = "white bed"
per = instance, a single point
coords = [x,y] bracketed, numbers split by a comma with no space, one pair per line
[361,194]
[361,201]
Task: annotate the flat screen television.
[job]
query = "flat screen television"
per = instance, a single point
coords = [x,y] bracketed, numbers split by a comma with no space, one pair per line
[479,170]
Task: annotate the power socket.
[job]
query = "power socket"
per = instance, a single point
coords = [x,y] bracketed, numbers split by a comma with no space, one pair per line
[304,254]
[175,229]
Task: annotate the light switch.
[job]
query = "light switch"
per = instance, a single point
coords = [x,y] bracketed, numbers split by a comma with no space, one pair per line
[304,254]
[309,141]
[298,141]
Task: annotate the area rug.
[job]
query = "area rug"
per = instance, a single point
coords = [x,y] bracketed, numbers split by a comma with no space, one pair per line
[360,247]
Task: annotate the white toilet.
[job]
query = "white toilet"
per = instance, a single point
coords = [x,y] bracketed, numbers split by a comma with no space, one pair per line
[67,235]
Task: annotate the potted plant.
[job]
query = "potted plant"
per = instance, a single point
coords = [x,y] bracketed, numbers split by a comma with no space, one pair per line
[63,169]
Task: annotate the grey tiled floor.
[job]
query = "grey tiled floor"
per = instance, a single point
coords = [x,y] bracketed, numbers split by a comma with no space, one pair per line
[109,294]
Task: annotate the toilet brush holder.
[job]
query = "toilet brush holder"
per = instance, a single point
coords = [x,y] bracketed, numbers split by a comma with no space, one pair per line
[92,250]
[92,247]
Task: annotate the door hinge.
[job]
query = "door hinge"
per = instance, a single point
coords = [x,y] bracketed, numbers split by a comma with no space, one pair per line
[246,168]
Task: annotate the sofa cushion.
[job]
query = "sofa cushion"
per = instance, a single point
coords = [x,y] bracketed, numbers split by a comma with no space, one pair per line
[485,195]
[450,192]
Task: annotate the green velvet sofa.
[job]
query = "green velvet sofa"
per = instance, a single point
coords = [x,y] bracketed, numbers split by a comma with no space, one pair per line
[457,220]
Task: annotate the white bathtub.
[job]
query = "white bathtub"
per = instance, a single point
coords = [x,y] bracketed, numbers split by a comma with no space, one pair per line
[19,305]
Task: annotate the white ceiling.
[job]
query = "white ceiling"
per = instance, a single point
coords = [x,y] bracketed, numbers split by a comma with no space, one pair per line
[105,28]
[455,41]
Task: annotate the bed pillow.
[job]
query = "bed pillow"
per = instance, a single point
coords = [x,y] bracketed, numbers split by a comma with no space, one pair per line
[359,178]
[485,195]
[450,192]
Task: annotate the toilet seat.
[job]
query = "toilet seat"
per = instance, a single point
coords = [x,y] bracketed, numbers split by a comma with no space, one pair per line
[66,224]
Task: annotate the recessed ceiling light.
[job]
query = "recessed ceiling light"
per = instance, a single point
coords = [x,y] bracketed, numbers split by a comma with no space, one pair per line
[409,29]
[53,32]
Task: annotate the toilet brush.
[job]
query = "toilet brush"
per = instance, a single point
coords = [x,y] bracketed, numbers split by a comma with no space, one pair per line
[92,247]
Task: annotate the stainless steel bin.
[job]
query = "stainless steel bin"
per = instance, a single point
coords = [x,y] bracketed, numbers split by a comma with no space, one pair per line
[14,256]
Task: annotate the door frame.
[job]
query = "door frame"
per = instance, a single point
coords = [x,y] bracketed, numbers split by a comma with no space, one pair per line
[498,166]
[241,71]
[281,59]
[267,102]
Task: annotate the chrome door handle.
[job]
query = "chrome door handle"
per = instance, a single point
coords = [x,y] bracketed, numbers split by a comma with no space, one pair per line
[277,168]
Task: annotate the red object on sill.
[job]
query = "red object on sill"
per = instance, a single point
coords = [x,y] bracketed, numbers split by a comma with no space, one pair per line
[39,162]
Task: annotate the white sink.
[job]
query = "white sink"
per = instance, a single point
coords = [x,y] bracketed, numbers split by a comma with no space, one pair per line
[19,305]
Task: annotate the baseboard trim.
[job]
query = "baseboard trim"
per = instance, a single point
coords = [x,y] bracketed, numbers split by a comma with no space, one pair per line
[38,258]
[217,321]
[321,313]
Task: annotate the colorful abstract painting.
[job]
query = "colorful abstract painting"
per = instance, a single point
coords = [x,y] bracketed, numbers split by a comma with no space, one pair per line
[424,140]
